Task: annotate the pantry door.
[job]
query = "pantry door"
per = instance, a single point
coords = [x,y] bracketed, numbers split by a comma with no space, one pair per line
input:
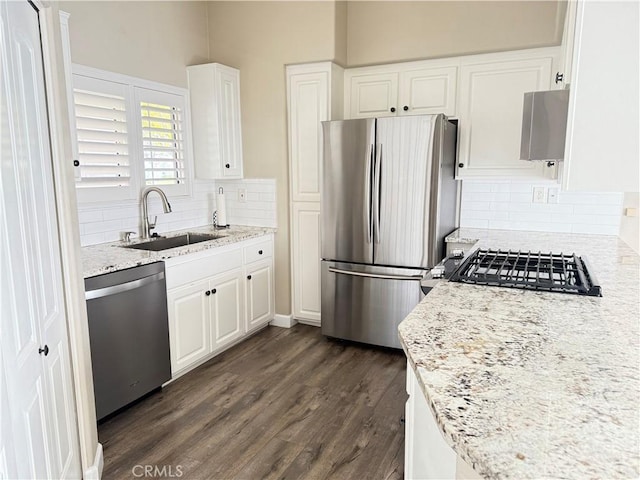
[38,395]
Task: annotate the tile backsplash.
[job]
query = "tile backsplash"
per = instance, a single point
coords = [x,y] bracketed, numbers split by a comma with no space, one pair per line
[104,221]
[259,207]
[509,205]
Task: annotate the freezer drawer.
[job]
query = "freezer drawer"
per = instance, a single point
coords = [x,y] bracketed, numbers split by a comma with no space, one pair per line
[365,303]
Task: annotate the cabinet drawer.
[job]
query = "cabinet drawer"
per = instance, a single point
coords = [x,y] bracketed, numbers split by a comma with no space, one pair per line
[194,270]
[258,251]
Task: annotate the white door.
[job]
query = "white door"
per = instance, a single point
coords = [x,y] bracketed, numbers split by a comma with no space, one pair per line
[227,308]
[189,309]
[306,262]
[229,122]
[33,331]
[490,113]
[428,91]
[259,294]
[374,95]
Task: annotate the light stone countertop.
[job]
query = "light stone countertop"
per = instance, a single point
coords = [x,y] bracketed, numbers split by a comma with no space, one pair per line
[527,384]
[113,256]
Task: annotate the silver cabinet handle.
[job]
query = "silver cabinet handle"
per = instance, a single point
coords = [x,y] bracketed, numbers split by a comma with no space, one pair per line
[375,275]
[123,287]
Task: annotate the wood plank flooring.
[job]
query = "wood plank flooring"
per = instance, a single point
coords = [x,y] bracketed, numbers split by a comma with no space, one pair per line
[285,404]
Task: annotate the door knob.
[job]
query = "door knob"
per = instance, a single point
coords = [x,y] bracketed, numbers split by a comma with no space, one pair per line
[227,166]
[76,163]
[259,252]
[44,350]
[214,290]
[393,109]
[207,293]
[405,108]
[248,277]
[559,77]
[461,165]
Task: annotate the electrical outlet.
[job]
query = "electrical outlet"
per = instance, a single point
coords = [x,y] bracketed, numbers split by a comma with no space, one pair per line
[539,195]
[552,196]
[242,195]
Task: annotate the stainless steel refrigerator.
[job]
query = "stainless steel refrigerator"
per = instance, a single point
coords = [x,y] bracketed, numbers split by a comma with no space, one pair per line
[388,200]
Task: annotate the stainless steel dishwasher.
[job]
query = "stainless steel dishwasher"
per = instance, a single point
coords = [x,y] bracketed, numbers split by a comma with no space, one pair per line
[129,333]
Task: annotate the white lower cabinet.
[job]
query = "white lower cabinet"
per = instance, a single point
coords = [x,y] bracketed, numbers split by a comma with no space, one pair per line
[227,308]
[215,298]
[426,453]
[188,324]
[259,294]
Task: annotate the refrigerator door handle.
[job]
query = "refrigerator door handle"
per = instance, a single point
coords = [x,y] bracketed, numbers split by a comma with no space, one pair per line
[367,194]
[377,194]
[375,275]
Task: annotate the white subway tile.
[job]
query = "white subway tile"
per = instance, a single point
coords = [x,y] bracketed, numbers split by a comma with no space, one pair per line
[86,216]
[92,239]
[615,209]
[520,197]
[521,188]
[479,206]
[473,223]
[102,227]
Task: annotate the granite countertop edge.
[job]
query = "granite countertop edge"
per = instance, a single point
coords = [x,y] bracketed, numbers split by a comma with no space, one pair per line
[114,256]
[520,442]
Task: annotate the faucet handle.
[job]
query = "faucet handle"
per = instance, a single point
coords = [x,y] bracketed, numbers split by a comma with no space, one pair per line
[153,224]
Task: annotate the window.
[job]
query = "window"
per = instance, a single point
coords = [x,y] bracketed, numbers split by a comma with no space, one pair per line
[131,134]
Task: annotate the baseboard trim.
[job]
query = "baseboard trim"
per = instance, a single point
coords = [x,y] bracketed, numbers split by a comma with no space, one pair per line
[313,323]
[94,472]
[283,321]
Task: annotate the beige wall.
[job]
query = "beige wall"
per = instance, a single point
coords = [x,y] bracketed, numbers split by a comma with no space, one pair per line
[630,226]
[260,38]
[151,40]
[385,32]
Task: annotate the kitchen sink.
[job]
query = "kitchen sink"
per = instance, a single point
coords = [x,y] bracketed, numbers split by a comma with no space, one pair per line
[165,243]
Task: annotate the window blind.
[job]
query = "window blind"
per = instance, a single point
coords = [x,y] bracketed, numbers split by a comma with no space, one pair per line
[162,143]
[103,145]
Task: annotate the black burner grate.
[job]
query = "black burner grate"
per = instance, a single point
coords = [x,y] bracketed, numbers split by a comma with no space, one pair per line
[529,270]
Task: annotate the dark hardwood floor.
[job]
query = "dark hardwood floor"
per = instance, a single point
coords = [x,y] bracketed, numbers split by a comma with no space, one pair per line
[286,404]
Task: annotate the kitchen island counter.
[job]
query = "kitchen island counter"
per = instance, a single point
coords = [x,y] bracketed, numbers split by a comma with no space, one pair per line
[527,384]
[114,256]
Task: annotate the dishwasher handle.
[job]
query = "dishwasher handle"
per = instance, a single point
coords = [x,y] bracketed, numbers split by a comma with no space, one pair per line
[122,287]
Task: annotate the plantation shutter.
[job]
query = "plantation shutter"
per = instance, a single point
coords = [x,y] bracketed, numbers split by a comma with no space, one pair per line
[162,121]
[102,134]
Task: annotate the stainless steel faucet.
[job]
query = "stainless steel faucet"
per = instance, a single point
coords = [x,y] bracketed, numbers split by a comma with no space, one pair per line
[147,225]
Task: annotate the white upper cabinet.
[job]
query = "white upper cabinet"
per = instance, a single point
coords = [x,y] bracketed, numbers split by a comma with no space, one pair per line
[403,89]
[215,113]
[491,96]
[309,90]
[373,94]
[428,91]
[601,151]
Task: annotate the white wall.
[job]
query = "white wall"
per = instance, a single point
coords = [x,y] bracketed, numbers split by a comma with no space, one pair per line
[508,205]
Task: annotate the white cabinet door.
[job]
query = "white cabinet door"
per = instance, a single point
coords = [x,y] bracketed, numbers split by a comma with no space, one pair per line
[214,90]
[228,92]
[428,91]
[309,104]
[602,143]
[259,294]
[227,308]
[427,454]
[306,262]
[36,390]
[189,313]
[373,95]
[490,113]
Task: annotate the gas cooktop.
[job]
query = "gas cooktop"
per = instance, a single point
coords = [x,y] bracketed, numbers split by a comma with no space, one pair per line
[528,270]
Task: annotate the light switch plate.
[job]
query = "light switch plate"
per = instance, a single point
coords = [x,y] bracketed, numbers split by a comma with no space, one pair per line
[242,195]
[552,195]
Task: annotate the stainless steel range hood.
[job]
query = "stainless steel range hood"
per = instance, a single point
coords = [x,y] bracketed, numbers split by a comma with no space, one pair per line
[544,125]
